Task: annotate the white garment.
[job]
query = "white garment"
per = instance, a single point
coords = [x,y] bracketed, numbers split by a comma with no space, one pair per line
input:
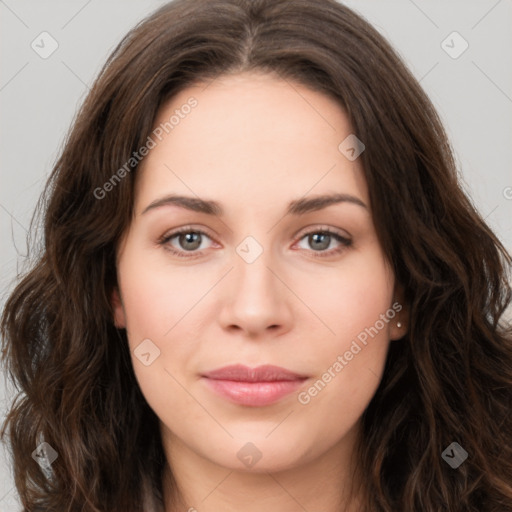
[150,503]
[151,506]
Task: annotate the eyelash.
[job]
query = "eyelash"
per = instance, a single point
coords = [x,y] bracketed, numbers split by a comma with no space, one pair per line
[165,239]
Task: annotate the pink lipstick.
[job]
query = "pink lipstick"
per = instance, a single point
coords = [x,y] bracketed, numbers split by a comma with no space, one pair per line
[254,387]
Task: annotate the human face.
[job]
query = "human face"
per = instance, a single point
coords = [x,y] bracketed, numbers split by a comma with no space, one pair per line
[253,288]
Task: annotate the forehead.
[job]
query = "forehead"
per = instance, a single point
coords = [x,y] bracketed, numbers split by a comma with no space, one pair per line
[250,137]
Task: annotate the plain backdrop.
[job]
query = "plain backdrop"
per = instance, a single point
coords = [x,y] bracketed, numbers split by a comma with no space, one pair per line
[40,96]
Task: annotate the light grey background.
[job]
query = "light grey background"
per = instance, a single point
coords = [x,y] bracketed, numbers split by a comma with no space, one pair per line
[39,98]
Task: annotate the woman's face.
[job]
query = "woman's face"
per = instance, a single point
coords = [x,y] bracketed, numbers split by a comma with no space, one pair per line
[253,283]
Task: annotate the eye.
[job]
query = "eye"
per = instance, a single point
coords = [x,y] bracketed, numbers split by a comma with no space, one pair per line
[188,240]
[321,239]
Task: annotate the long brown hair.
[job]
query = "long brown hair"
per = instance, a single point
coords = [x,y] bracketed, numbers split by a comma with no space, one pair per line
[448,380]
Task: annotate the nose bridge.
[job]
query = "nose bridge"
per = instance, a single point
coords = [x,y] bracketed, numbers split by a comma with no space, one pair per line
[252,268]
[257,299]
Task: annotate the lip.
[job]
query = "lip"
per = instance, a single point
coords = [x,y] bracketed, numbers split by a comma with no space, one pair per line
[255,387]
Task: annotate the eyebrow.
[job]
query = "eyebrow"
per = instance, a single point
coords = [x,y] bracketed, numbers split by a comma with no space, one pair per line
[295,207]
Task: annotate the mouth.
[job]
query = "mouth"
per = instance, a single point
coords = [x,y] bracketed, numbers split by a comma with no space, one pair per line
[253,387]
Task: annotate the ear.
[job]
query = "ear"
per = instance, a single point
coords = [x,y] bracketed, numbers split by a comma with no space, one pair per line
[118,309]
[399,325]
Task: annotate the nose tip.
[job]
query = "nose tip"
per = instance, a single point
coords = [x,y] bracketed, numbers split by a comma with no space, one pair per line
[257,301]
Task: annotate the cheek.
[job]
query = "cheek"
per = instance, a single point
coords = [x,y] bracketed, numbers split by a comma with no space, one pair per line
[156,301]
[156,311]
[349,357]
[348,373]
[157,297]
[350,299]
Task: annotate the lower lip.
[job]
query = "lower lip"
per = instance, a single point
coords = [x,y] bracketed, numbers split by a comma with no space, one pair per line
[254,394]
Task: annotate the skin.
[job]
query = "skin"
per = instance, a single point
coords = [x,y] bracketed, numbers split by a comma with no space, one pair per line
[254,143]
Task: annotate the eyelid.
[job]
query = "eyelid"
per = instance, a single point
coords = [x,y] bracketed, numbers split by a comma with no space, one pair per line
[185,229]
[321,228]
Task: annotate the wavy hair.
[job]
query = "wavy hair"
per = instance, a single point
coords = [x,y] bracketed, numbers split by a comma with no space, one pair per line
[448,380]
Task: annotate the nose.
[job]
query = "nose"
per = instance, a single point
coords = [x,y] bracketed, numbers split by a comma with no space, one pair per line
[257,302]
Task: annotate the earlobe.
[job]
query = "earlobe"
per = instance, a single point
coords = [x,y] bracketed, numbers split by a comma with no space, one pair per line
[398,330]
[399,324]
[118,310]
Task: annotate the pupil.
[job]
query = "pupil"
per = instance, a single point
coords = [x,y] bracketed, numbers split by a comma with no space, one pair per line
[189,238]
[317,236]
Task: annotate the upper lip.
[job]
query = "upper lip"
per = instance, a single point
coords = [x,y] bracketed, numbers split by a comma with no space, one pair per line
[242,373]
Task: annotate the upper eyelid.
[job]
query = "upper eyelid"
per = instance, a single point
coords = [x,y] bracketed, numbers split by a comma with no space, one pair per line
[320,228]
